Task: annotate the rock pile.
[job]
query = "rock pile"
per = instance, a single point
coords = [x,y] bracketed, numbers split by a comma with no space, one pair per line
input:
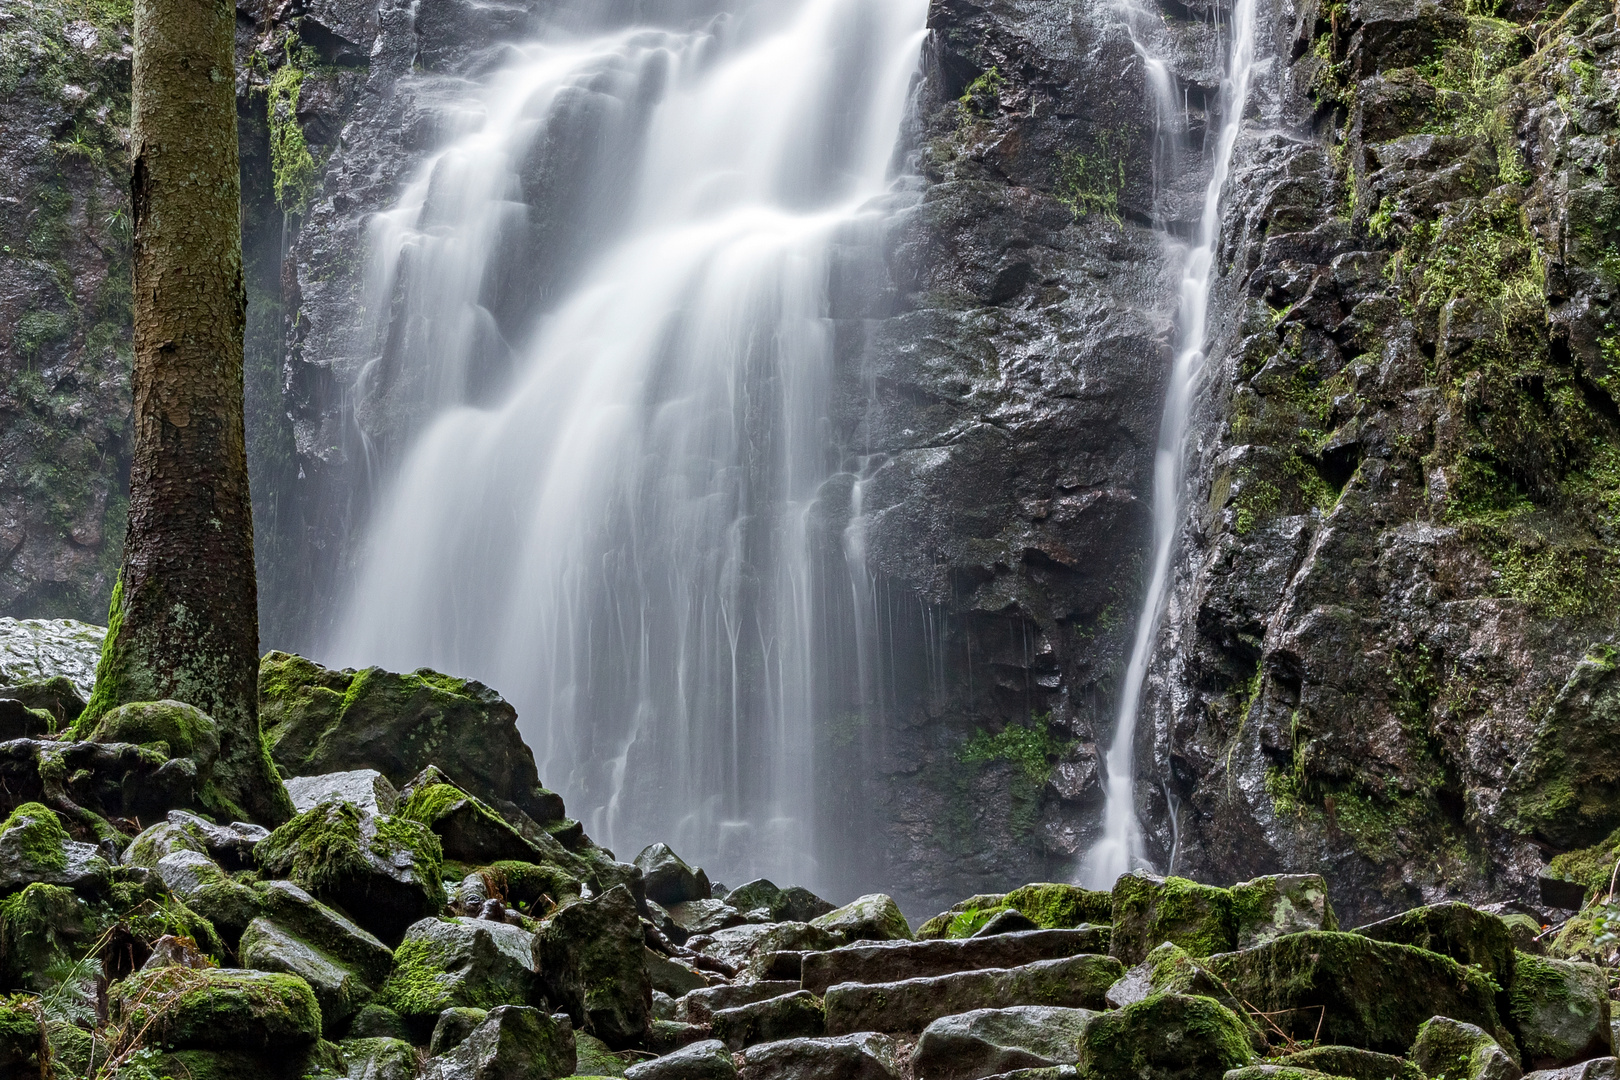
[453,924]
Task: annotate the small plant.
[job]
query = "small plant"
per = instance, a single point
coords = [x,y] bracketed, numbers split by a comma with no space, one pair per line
[1092,183]
[292,166]
[982,96]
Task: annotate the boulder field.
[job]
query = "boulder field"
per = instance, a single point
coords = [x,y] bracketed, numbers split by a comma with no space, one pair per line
[431,912]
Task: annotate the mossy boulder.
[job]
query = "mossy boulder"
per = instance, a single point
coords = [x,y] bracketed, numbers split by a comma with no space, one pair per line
[458,963]
[1567,787]
[319,1061]
[1266,908]
[797,1015]
[468,829]
[1464,933]
[1049,905]
[42,930]
[453,1026]
[203,886]
[1203,919]
[22,1036]
[588,954]
[534,887]
[339,989]
[220,1009]
[1354,1063]
[1560,1011]
[384,872]
[963,918]
[182,730]
[1448,1049]
[34,847]
[56,697]
[1351,990]
[326,928]
[380,1058]
[1148,911]
[513,1041]
[18,721]
[874,917]
[1165,1037]
[318,720]
[1592,866]
[164,838]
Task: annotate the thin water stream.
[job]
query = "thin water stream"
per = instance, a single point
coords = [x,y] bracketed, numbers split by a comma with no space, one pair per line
[1120,849]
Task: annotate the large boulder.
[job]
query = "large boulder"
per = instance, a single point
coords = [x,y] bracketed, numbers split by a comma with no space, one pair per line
[874,917]
[1348,989]
[751,946]
[864,1056]
[367,789]
[514,1042]
[468,830]
[451,963]
[1464,933]
[220,1009]
[668,879]
[589,956]
[34,847]
[985,1042]
[1076,982]
[897,960]
[1049,905]
[379,1058]
[1560,1010]
[1449,1048]
[706,1060]
[42,930]
[1165,1037]
[1204,919]
[318,720]
[327,929]
[384,872]
[339,989]
[38,650]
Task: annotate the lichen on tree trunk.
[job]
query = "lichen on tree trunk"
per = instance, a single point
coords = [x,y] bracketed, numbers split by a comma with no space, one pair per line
[183,623]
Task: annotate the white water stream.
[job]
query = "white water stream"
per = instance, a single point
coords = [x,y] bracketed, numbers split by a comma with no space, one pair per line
[1120,850]
[609,520]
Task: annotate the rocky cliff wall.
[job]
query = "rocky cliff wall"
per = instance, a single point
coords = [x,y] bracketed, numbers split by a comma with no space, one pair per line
[1386,650]
[1389,653]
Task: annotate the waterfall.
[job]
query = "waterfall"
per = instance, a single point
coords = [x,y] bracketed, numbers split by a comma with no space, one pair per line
[1120,849]
[616,483]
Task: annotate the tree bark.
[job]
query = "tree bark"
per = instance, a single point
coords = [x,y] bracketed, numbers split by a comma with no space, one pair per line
[184,618]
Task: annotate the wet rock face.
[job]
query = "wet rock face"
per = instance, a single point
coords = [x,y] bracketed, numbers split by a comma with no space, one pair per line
[1387,649]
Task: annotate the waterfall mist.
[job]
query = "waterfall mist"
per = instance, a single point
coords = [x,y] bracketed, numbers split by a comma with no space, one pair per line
[611,504]
[1120,848]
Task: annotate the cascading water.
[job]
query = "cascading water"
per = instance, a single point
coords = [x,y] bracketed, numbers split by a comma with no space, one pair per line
[607,510]
[1120,849]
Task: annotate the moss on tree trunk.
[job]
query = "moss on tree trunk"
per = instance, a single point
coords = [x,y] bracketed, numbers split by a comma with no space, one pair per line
[184,623]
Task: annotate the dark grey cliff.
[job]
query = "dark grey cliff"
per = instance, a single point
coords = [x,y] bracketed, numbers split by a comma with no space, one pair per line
[1389,654]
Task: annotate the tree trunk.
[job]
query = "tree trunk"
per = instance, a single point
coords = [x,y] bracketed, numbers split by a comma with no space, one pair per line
[184,618]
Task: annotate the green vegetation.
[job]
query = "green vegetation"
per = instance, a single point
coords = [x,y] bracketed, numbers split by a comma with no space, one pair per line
[39,836]
[292,166]
[982,97]
[1091,183]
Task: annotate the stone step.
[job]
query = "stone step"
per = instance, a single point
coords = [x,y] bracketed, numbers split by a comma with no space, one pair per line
[887,962]
[793,1016]
[698,1006]
[1075,982]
